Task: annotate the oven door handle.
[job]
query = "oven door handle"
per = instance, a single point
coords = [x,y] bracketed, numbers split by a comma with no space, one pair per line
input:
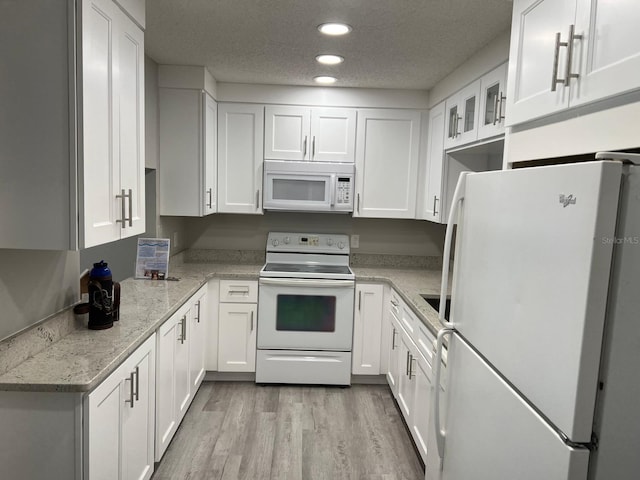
[303,282]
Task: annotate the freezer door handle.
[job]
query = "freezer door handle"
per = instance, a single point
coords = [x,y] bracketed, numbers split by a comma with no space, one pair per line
[435,414]
[458,196]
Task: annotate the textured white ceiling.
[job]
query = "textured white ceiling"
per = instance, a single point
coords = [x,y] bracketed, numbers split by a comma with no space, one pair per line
[410,44]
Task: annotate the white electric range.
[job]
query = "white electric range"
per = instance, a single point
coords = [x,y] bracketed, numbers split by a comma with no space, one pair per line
[305,310]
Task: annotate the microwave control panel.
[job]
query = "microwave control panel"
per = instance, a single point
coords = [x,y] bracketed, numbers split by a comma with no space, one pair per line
[343,187]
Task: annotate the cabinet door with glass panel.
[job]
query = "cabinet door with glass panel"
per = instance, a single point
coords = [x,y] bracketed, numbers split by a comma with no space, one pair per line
[462,116]
[492,102]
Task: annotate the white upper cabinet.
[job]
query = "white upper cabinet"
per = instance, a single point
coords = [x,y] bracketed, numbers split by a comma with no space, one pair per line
[210,155]
[240,158]
[82,181]
[432,207]
[286,133]
[188,152]
[310,133]
[607,57]
[566,53]
[493,90]
[387,163]
[112,124]
[462,116]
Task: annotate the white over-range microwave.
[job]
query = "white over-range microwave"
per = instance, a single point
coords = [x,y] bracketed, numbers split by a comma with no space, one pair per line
[308,186]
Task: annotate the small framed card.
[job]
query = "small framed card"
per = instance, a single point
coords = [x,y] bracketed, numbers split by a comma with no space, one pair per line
[152,260]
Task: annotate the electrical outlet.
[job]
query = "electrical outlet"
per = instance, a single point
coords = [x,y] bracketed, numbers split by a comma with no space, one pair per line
[355,241]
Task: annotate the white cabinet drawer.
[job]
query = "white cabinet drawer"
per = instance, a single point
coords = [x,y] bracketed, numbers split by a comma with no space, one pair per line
[395,305]
[409,321]
[425,341]
[238,291]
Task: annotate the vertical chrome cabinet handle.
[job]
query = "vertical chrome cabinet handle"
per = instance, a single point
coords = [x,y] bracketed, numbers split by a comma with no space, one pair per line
[452,124]
[251,321]
[210,195]
[123,207]
[556,58]
[435,211]
[456,132]
[130,208]
[257,199]
[572,37]
[500,104]
[407,368]
[411,372]
[131,389]
[496,100]
[137,372]
[183,329]
[304,147]
[313,147]
[393,339]
[198,306]
[358,204]
[360,300]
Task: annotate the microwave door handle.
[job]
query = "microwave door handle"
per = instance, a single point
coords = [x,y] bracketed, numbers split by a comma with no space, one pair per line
[333,190]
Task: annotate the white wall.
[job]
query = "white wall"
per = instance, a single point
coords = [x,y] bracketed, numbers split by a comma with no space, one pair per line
[35,284]
[380,236]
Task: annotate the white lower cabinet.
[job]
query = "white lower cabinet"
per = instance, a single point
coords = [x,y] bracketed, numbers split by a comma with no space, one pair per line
[197,337]
[119,433]
[392,350]
[409,372]
[172,378]
[237,334]
[367,329]
[180,367]
[419,424]
[406,387]
[237,324]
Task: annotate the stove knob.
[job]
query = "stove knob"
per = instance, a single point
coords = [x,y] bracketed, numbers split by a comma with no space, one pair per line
[287,240]
[329,241]
[275,242]
[340,245]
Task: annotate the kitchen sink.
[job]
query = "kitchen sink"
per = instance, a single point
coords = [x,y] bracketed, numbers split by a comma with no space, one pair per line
[434,301]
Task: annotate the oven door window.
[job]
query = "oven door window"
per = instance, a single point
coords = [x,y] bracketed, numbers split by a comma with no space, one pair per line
[306,313]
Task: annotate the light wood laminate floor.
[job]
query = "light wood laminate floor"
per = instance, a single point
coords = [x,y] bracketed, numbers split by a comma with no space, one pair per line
[238,430]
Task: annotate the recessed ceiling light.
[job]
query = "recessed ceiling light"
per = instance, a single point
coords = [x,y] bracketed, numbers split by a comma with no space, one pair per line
[330,59]
[334,28]
[325,80]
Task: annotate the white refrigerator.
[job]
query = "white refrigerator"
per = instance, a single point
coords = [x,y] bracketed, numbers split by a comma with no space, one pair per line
[544,333]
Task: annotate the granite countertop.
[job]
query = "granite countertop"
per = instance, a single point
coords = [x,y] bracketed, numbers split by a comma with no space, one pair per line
[79,361]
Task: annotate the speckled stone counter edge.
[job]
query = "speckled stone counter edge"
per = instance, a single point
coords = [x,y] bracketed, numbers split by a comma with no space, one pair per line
[30,355]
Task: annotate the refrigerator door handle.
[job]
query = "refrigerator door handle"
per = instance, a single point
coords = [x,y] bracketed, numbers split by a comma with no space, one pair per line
[458,196]
[435,414]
